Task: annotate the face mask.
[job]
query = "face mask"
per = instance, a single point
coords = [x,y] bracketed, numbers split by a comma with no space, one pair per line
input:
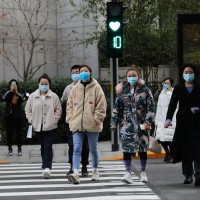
[43,88]
[165,86]
[132,80]
[84,76]
[75,77]
[188,77]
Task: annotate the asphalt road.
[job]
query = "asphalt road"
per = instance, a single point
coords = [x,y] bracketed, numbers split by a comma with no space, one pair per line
[166,180]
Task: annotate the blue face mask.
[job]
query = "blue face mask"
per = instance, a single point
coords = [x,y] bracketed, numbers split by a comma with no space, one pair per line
[75,77]
[132,80]
[43,88]
[84,76]
[188,77]
[165,86]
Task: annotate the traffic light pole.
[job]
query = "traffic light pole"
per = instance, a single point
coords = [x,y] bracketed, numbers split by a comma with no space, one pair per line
[114,82]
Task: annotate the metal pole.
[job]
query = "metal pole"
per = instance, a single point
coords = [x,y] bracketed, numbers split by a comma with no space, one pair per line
[114,81]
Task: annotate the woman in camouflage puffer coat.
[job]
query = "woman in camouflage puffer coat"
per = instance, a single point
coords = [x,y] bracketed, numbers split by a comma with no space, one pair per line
[134,111]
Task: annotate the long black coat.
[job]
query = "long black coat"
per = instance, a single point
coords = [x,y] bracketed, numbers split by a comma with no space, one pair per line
[187,133]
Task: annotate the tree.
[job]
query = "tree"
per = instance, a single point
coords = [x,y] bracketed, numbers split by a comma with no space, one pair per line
[150,35]
[28,35]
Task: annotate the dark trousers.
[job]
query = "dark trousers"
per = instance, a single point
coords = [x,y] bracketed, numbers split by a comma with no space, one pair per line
[46,140]
[188,169]
[13,125]
[84,153]
[169,148]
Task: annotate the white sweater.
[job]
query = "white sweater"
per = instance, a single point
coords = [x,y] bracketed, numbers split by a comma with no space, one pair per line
[164,134]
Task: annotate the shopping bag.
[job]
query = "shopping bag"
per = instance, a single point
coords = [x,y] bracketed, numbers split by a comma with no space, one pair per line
[14,99]
[30,131]
[154,146]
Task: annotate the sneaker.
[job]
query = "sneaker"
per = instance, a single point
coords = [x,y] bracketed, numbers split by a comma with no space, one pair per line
[10,151]
[95,176]
[84,171]
[46,173]
[74,178]
[143,177]
[19,152]
[127,178]
[70,172]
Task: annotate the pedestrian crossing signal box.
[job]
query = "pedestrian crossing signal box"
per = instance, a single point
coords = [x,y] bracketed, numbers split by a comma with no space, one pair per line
[114,29]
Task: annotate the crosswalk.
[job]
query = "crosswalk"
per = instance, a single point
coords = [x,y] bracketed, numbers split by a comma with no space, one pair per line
[25,182]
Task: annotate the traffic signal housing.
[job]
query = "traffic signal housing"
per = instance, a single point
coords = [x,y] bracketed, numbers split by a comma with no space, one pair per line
[114,29]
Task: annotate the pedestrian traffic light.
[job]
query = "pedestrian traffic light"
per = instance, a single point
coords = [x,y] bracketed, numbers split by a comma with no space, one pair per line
[115,29]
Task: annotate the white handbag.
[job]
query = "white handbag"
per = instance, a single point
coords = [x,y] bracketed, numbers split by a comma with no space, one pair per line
[154,146]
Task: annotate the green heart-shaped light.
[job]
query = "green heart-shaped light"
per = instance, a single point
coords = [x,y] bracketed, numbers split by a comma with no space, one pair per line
[114,25]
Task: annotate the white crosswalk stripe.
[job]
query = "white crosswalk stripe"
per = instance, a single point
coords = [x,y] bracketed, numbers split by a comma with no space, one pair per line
[25,182]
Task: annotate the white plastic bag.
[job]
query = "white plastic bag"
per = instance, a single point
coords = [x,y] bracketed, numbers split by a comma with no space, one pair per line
[30,131]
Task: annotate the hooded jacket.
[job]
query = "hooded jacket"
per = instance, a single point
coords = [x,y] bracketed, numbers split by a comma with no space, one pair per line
[86,107]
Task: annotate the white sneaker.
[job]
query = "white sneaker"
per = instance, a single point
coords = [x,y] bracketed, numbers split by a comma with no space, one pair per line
[127,178]
[73,178]
[46,173]
[95,176]
[143,177]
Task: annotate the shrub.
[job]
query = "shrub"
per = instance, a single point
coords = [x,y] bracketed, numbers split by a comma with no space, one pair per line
[58,86]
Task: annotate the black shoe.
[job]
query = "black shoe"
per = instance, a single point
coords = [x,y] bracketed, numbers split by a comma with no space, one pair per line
[167,158]
[84,171]
[19,151]
[70,172]
[197,180]
[10,151]
[170,160]
[188,180]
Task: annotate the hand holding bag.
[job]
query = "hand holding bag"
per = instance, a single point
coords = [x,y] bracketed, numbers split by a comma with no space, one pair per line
[154,146]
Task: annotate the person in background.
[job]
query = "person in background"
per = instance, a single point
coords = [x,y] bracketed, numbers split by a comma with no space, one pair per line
[163,135]
[158,91]
[13,115]
[43,110]
[86,110]
[187,133]
[85,150]
[134,111]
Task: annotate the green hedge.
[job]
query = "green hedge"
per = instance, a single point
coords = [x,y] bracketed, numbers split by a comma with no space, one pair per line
[58,86]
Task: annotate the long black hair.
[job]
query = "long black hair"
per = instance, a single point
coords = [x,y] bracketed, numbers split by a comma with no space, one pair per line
[196,73]
[10,82]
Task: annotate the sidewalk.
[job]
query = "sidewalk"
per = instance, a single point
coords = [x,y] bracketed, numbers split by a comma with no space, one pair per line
[31,153]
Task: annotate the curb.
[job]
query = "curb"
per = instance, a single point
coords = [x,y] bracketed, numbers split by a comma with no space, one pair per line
[4,162]
[150,155]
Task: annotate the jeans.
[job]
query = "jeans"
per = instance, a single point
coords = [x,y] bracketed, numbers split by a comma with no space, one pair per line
[78,143]
[84,153]
[46,141]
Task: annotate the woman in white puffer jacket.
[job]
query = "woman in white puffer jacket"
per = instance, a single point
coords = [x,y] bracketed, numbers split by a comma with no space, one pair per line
[164,135]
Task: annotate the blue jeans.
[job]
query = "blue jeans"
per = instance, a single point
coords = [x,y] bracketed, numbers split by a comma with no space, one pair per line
[78,143]
[46,141]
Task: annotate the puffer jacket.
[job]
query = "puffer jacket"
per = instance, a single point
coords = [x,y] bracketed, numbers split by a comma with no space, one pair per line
[86,107]
[45,115]
[164,134]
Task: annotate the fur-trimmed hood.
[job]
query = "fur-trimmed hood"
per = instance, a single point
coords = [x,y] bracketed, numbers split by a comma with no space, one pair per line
[119,87]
